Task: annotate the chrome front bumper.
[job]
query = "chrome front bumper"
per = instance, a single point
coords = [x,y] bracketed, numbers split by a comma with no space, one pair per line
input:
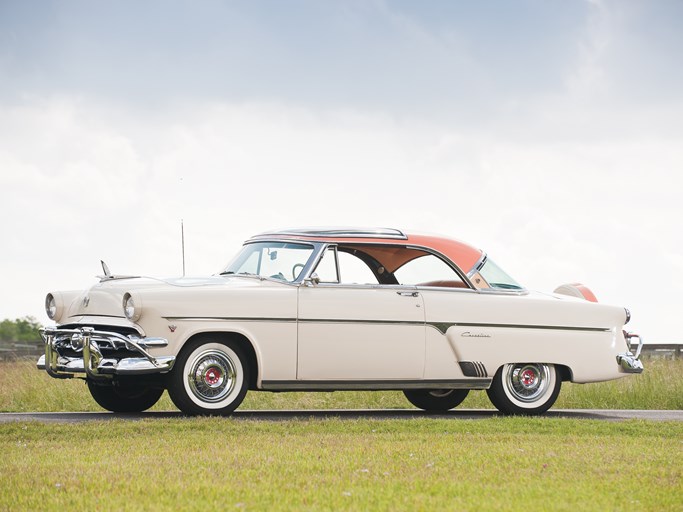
[629,362]
[92,362]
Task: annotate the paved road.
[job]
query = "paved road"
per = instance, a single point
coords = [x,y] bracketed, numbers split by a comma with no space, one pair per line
[594,414]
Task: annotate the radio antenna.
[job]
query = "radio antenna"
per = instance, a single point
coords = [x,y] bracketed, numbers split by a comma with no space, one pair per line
[182,238]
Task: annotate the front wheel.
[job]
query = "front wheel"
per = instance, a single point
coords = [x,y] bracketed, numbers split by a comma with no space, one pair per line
[209,377]
[525,388]
[436,399]
[124,398]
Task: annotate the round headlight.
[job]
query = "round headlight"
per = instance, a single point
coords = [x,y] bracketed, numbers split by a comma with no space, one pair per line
[54,306]
[131,310]
[50,306]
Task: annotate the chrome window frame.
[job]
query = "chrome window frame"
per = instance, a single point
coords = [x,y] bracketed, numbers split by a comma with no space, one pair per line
[338,232]
[320,246]
[333,247]
[492,290]
[444,258]
[315,256]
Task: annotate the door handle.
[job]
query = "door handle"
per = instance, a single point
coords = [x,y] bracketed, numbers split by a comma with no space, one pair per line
[408,294]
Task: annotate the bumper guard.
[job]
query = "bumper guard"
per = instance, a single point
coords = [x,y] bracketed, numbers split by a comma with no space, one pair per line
[93,363]
[629,362]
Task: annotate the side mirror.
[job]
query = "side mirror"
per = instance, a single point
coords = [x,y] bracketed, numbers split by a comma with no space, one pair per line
[313,279]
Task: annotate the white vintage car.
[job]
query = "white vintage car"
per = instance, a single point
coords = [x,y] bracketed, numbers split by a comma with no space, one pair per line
[336,309]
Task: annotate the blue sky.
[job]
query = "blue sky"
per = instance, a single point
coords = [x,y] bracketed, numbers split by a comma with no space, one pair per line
[460,57]
[547,133]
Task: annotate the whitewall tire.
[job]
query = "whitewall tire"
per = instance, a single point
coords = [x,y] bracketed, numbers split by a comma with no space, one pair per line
[525,388]
[209,377]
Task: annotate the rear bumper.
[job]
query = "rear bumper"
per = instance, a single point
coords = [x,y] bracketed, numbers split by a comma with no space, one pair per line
[628,361]
[92,363]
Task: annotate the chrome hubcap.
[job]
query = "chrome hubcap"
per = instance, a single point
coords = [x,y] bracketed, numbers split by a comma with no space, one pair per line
[212,376]
[528,378]
[527,382]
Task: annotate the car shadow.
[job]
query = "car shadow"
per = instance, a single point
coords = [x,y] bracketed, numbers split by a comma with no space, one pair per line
[317,414]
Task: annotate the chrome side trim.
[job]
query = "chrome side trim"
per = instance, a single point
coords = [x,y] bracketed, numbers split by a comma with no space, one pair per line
[444,326]
[231,319]
[374,385]
[359,322]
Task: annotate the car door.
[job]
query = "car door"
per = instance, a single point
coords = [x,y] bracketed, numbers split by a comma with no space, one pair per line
[359,331]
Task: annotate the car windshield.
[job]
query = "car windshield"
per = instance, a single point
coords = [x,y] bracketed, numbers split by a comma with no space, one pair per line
[497,278]
[275,260]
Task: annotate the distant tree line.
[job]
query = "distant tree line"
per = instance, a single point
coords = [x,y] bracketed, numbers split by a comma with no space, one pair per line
[21,329]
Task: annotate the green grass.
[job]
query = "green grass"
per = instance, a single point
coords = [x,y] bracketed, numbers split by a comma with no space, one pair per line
[334,464]
[343,464]
[25,389]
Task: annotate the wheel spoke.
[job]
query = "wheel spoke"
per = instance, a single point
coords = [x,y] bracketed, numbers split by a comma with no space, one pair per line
[212,376]
[527,382]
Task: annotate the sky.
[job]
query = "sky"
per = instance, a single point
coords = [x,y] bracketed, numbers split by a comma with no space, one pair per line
[547,133]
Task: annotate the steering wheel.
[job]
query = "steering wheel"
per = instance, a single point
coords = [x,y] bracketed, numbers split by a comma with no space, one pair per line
[295,274]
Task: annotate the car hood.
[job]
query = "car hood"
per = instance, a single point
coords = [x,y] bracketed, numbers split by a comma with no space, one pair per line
[105,299]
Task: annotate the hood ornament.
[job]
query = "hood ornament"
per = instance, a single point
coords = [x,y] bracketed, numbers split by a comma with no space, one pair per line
[108,275]
[105,269]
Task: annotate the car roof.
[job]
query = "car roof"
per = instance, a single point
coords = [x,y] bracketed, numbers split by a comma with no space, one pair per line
[462,254]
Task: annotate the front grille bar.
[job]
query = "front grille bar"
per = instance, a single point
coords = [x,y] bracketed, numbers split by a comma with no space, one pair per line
[88,340]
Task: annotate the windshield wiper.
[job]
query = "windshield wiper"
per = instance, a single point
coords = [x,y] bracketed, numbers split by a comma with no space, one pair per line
[230,272]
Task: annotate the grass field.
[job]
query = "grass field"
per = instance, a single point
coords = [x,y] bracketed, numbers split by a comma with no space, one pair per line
[333,464]
[343,464]
[25,389]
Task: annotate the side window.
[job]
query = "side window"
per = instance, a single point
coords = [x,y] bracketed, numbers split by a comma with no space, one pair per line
[429,270]
[342,267]
[354,270]
[327,268]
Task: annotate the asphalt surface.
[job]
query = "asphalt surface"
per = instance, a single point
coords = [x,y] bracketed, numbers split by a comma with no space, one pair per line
[477,414]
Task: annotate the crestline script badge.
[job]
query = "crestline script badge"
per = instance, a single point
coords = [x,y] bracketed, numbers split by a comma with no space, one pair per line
[468,334]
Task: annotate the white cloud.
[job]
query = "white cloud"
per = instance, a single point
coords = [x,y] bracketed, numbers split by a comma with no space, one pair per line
[82,182]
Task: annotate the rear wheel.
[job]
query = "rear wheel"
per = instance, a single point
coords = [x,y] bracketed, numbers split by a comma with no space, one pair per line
[436,399]
[525,388]
[209,377]
[124,398]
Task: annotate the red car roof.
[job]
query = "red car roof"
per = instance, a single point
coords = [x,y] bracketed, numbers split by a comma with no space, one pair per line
[461,253]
